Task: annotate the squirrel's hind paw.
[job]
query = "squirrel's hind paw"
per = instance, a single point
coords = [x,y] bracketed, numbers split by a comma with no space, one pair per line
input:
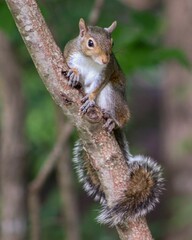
[110,124]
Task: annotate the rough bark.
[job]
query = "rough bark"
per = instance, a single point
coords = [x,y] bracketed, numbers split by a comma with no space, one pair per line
[177,88]
[136,230]
[13,183]
[105,153]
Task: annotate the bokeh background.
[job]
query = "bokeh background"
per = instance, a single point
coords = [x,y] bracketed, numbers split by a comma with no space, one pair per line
[40,197]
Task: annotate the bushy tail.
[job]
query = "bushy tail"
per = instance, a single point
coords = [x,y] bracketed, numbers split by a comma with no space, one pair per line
[86,173]
[143,191]
[142,194]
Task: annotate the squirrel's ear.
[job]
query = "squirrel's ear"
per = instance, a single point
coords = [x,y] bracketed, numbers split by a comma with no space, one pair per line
[82,27]
[111,28]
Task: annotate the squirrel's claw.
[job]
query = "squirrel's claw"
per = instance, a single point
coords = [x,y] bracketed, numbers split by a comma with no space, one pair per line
[87,103]
[84,99]
[74,77]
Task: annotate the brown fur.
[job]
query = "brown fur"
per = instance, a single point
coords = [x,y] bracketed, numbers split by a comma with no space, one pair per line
[140,185]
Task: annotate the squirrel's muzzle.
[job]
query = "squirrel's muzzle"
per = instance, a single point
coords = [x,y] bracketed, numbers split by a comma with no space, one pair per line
[105,59]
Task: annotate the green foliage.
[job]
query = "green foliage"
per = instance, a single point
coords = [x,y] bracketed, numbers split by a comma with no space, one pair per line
[40,119]
[141,45]
[8,24]
[63,17]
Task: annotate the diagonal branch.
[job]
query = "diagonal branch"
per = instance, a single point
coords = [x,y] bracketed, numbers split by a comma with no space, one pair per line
[50,163]
[105,154]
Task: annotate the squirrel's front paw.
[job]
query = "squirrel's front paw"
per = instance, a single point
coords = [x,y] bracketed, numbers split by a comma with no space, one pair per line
[87,103]
[73,77]
[110,123]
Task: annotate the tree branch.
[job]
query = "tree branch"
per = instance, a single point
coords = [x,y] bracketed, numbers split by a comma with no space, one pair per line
[105,154]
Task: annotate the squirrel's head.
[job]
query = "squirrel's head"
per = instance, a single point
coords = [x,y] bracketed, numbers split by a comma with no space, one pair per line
[96,42]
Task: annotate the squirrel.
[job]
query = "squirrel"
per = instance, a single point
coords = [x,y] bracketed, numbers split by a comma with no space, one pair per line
[92,63]
[93,66]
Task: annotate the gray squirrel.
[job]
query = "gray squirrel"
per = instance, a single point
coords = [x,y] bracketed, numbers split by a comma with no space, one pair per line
[93,65]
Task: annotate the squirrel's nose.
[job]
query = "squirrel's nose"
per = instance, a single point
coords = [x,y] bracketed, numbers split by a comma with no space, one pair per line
[105,59]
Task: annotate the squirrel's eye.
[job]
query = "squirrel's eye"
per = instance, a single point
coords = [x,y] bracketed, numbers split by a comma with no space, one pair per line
[90,43]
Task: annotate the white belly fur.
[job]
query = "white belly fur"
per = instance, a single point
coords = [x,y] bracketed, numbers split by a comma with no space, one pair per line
[89,70]
[104,98]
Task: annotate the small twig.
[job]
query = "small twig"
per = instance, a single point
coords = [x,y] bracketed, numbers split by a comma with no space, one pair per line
[34,214]
[95,12]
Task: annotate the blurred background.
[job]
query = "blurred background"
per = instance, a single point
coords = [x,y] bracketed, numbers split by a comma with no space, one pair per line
[40,197]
